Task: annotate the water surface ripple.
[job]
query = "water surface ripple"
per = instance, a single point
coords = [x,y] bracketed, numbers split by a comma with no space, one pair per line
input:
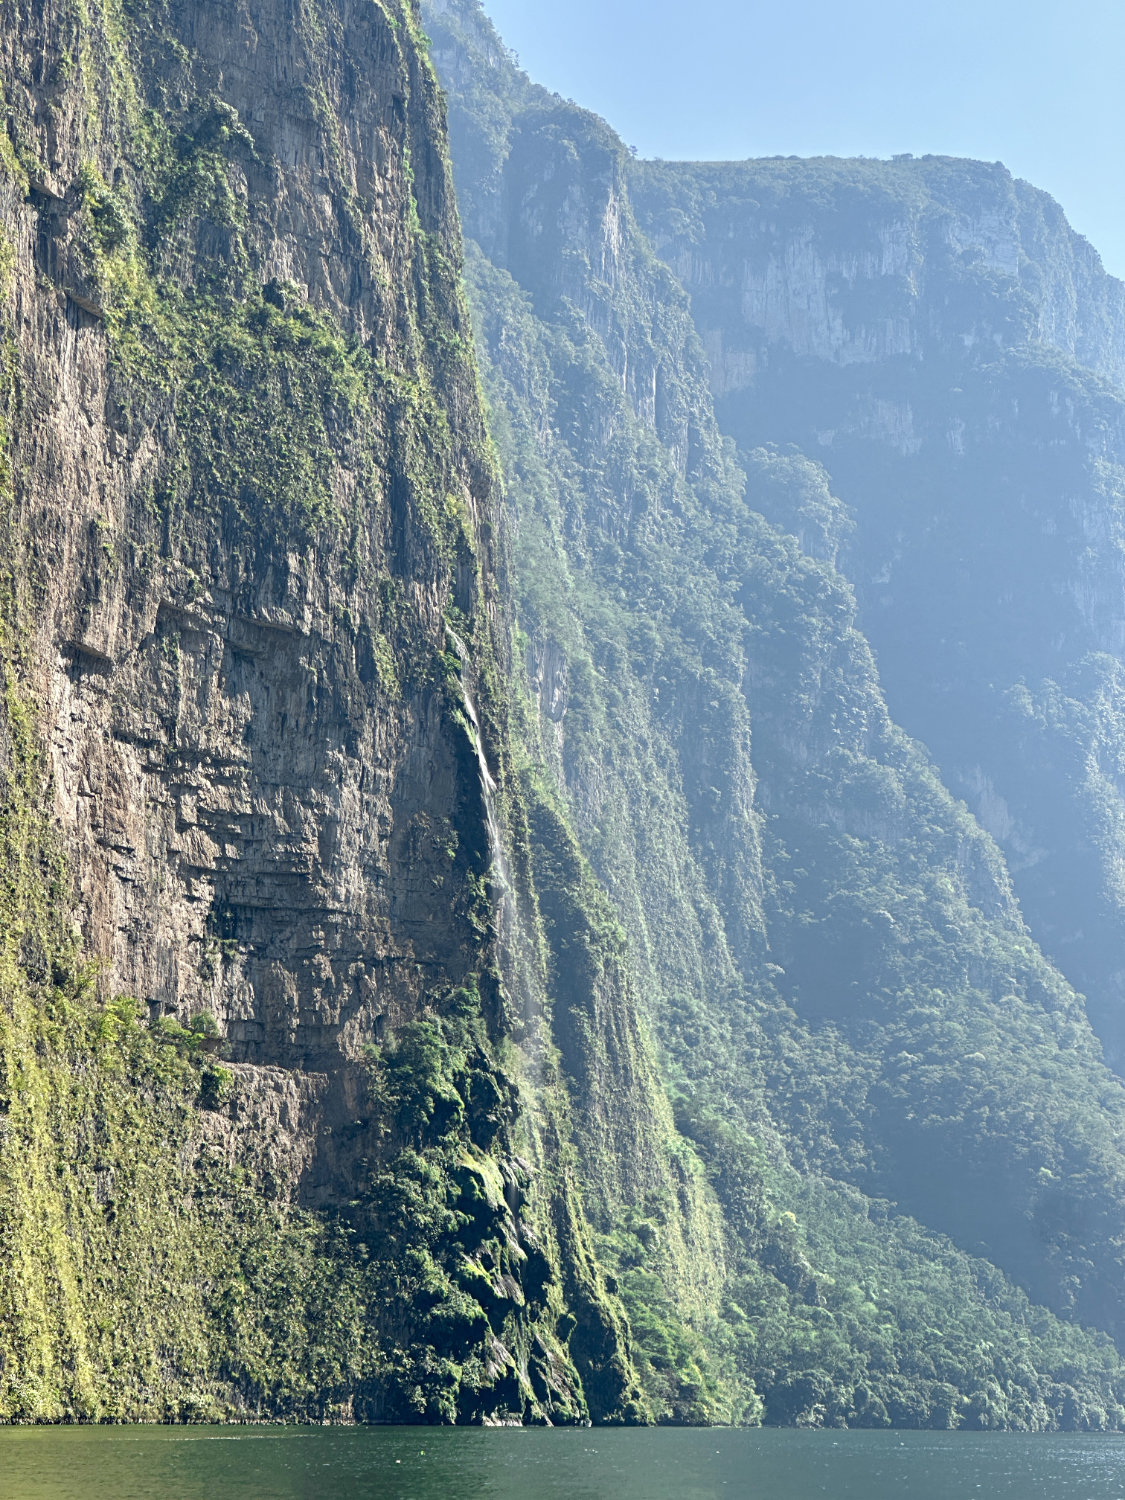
[416,1463]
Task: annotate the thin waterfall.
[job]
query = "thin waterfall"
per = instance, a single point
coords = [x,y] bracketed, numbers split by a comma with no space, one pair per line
[517,958]
[497,852]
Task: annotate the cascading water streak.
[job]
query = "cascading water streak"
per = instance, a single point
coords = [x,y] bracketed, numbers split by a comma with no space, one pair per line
[510,929]
[487,780]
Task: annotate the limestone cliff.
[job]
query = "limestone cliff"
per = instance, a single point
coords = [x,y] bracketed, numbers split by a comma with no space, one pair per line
[853,262]
[477,944]
[265,1143]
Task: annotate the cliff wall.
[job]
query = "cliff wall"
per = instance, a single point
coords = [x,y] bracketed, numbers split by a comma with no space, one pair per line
[828,946]
[267,1144]
[478,944]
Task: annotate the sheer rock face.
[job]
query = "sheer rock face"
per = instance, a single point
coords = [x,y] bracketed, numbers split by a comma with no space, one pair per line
[251,807]
[818,924]
[248,508]
[246,484]
[850,262]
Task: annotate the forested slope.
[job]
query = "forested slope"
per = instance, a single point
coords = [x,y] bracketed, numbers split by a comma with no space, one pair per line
[936,334]
[829,947]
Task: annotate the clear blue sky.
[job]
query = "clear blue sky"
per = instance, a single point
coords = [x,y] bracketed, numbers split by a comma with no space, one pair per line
[1036,84]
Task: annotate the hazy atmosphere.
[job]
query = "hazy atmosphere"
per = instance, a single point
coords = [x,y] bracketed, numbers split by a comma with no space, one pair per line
[562,751]
[1032,83]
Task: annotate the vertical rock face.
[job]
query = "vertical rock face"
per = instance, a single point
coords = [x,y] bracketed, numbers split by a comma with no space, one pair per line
[389,1032]
[860,261]
[247,495]
[938,336]
[231,581]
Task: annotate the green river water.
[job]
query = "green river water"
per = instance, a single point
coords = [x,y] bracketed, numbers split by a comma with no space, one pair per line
[399,1463]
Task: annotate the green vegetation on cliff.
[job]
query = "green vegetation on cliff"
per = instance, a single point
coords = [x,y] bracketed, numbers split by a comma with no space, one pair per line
[959,373]
[842,987]
[477,944]
[307,1173]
